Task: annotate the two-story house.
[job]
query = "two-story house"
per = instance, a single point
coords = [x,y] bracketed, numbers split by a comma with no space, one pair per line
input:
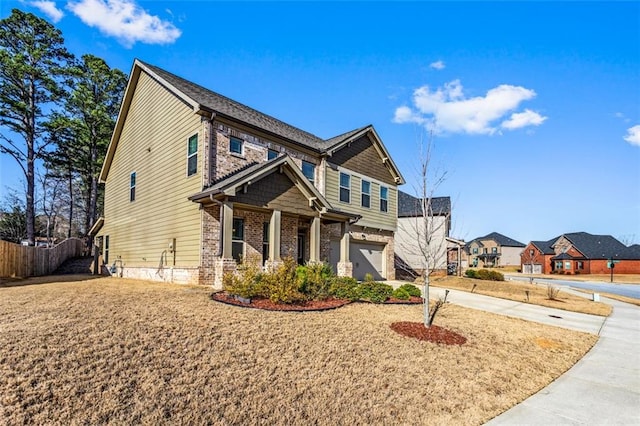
[195,182]
[421,238]
[494,250]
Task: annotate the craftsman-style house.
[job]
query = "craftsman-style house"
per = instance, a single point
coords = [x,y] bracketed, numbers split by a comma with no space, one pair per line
[195,182]
[580,253]
[494,250]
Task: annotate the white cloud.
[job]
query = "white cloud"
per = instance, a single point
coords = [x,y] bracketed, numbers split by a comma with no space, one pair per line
[447,110]
[125,20]
[523,119]
[633,135]
[437,65]
[48,8]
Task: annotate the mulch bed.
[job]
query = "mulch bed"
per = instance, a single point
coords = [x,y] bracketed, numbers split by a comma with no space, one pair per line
[268,305]
[434,334]
[312,305]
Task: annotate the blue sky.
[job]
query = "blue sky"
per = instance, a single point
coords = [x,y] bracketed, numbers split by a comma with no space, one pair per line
[534,107]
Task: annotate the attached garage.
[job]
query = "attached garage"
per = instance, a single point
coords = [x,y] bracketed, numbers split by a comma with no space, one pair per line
[366,258]
[527,268]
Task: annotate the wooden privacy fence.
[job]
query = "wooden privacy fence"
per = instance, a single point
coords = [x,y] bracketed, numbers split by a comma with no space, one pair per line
[24,261]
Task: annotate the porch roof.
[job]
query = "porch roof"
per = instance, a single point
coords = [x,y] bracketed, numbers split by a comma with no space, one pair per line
[240,180]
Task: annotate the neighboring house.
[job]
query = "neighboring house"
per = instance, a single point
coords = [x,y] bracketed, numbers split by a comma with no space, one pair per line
[410,238]
[195,182]
[580,253]
[494,250]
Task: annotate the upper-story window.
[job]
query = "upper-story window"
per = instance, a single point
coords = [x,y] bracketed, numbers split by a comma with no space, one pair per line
[192,155]
[132,186]
[309,170]
[235,145]
[271,154]
[494,249]
[345,188]
[474,250]
[365,194]
[384,199]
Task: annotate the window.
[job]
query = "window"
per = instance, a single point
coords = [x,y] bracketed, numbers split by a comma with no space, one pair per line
[309,170]
[345,188]
[265,241]
[567,265]
[558,264]
[237,239]
[579,265]
[475,250]
[271,154]
[531,252]
[235,145]
[494,249]
[192,155]
[384,198]
[105,254]
[484,250]
[366,194]
[132,187]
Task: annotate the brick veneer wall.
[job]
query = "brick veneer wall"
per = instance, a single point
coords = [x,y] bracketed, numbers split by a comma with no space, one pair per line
[254,150]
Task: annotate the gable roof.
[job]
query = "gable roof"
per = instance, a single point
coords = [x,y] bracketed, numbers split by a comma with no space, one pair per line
[502,240]
[209,103]
[410,206]
[545,246]
[598,246]
[234,182]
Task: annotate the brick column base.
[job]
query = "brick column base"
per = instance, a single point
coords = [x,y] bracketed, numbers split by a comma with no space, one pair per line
[345,269]
[220,267]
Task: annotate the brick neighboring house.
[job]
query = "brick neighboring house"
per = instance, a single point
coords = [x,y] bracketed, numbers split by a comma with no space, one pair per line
[409,259]
[580,253]
[195,181]
[493,250]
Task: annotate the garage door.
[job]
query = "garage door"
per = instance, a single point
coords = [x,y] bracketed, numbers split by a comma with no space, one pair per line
[367,259]
[537,269]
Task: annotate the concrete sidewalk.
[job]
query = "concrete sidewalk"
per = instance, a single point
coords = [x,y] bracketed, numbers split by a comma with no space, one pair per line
[602,388]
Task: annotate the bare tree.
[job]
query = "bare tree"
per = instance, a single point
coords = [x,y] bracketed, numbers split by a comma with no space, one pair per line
[429,226]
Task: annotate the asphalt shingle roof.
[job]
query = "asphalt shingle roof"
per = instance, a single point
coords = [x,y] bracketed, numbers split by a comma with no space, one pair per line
[599,246]
[220,104]
[410,206]
[502,240]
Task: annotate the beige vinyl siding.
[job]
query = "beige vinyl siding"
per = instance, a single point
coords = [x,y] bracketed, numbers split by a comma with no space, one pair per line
[371,217]
[154,144]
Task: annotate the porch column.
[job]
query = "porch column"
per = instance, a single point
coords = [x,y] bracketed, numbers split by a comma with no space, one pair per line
[314,240]
[345,267]
[227,229]
[344,242]
[274,236]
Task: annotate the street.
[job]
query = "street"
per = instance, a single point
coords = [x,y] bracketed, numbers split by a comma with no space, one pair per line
[627,290]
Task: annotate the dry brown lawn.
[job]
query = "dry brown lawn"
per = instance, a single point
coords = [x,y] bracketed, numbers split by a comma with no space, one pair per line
[120,351]
[516,290]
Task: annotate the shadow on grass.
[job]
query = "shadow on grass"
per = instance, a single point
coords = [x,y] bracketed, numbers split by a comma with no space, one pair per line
[46,279]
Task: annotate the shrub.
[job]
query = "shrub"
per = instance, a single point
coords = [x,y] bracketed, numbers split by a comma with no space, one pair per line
[374,291]
[315,280]
[368,277]
[552,292]
[411,289]
[344,288]
[496,276]
[485,274]
[282,285]
[401,293]
[245,282]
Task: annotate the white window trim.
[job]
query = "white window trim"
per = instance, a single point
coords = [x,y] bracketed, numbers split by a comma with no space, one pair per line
[340,187]
[195,154]
[133,186]
[362,181]
[242,143]
[315,167]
